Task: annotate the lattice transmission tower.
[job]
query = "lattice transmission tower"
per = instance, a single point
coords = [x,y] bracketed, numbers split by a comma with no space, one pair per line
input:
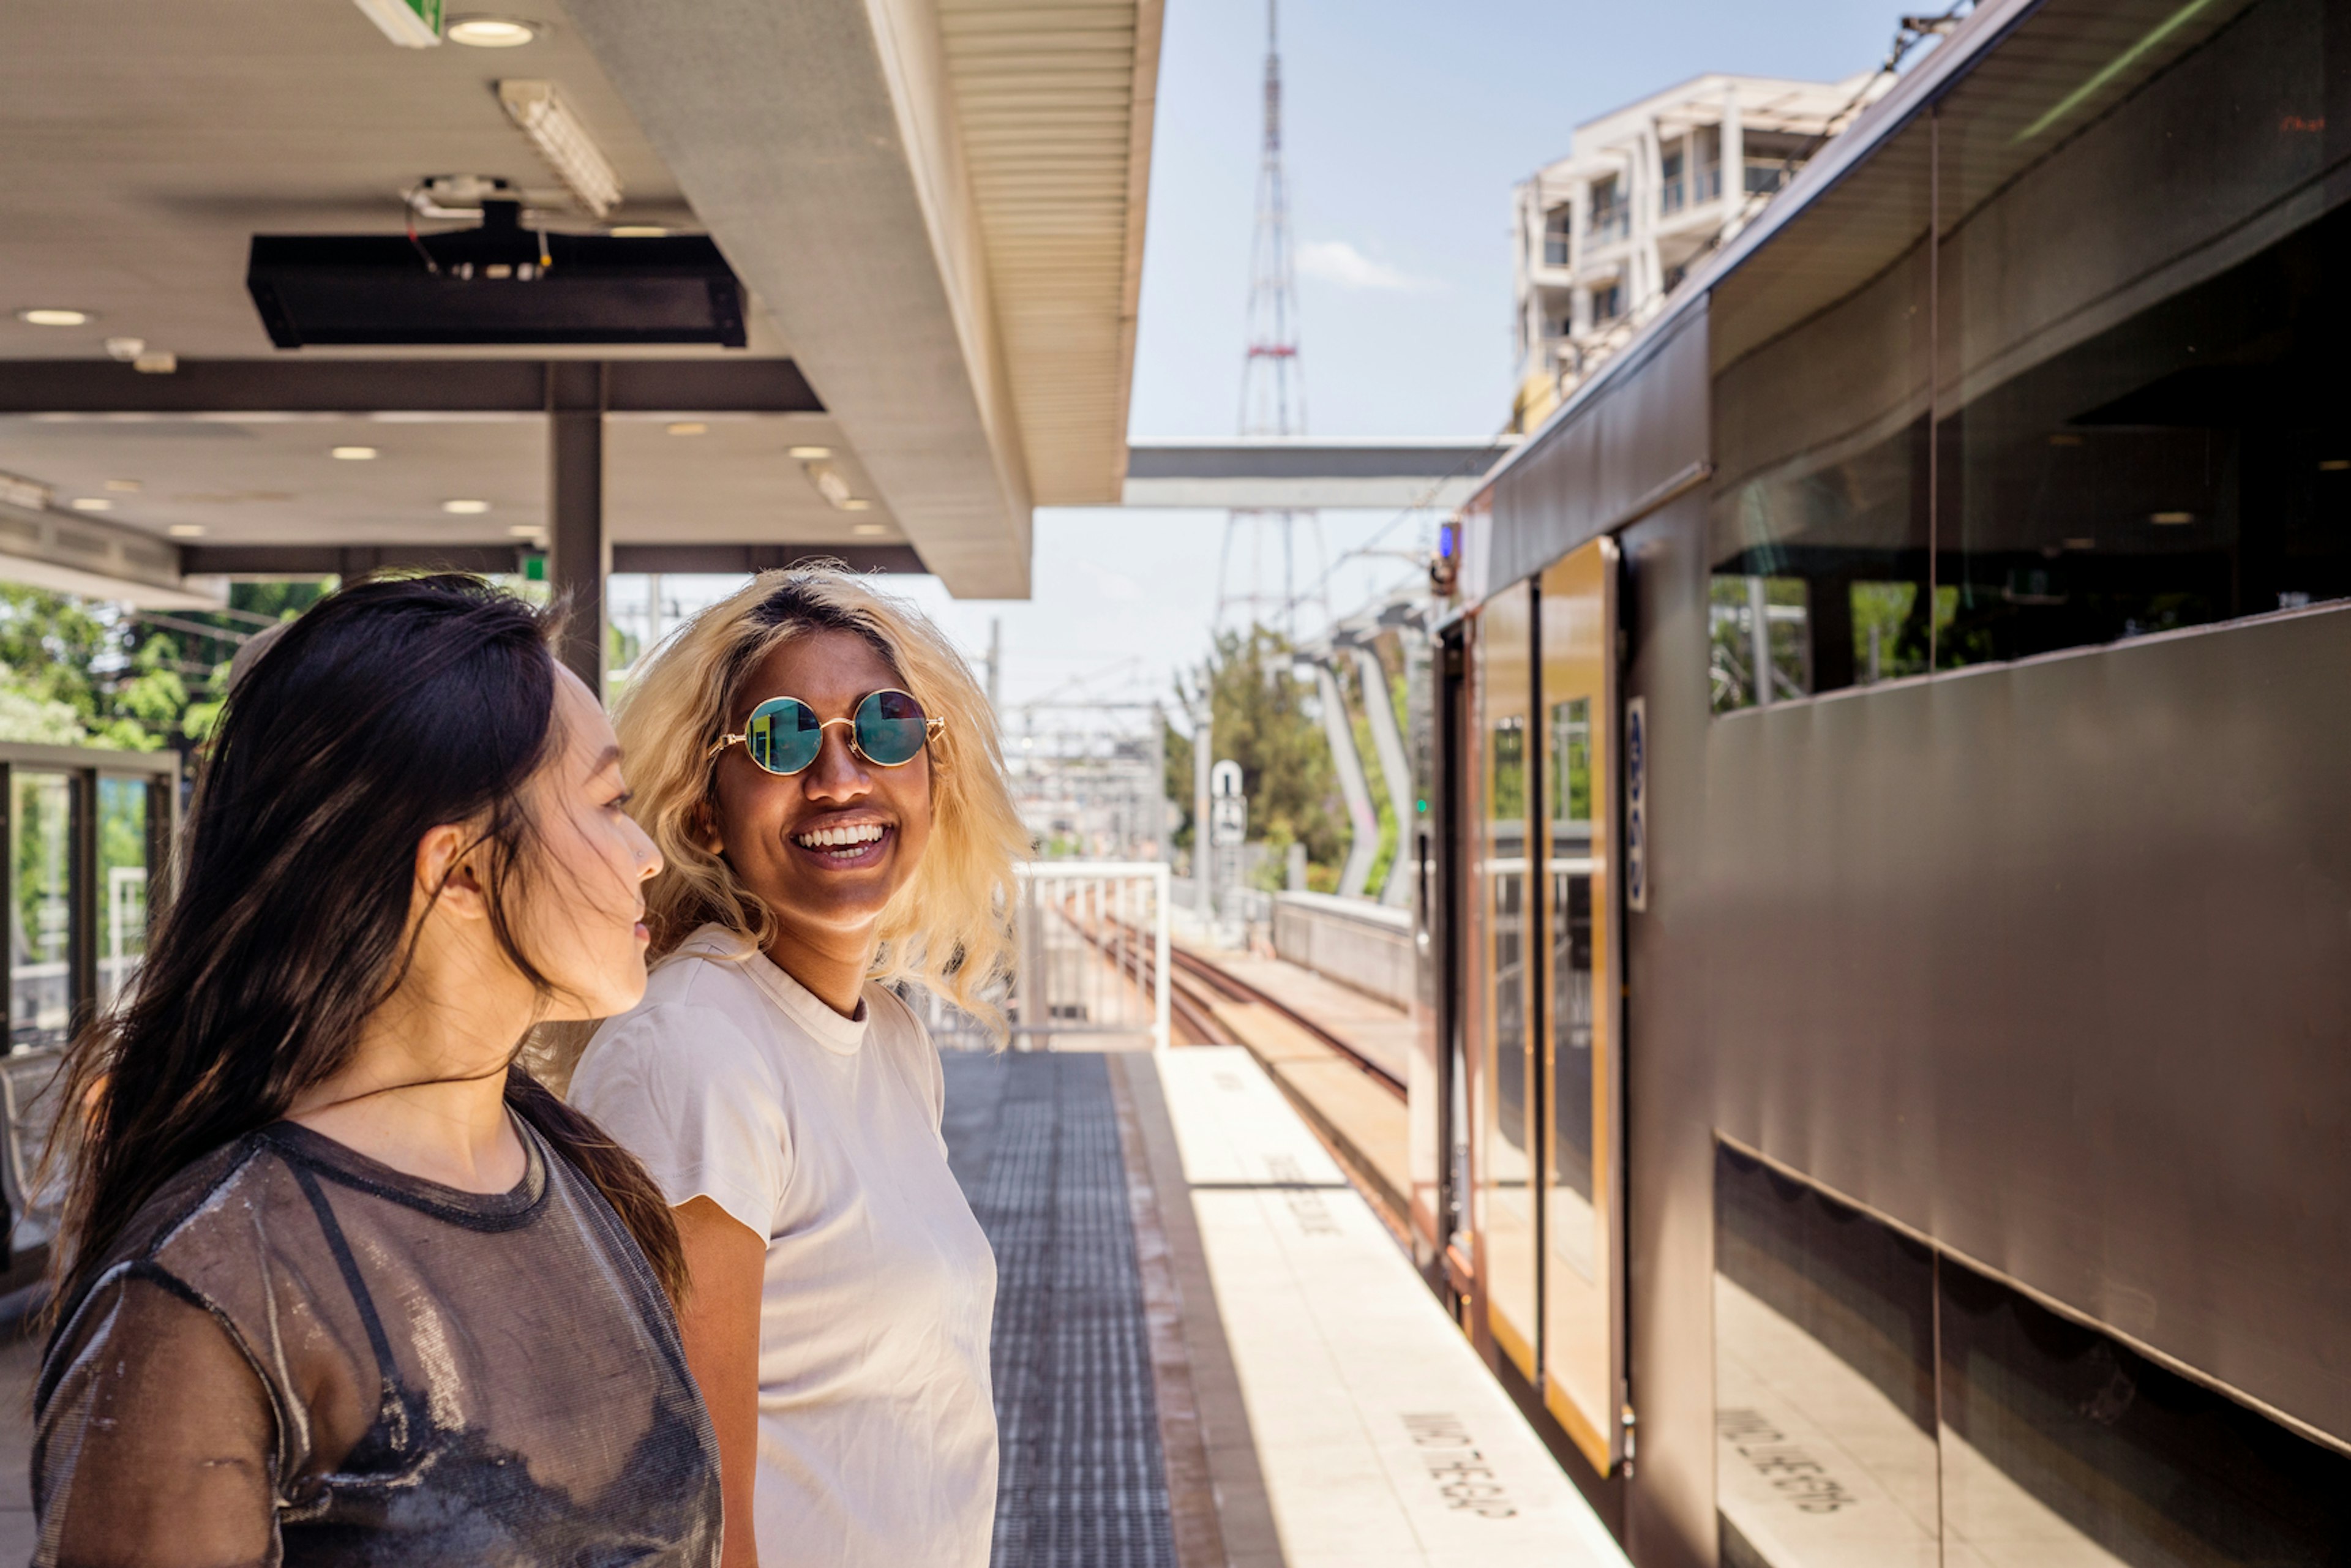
[1273,397]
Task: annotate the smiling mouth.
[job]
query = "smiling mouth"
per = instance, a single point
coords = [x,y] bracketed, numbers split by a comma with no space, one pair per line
[843,846]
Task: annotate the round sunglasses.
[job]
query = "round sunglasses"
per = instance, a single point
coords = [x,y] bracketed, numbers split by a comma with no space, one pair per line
[887,728]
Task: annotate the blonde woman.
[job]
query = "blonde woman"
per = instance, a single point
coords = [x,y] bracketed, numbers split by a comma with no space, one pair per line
[822,778]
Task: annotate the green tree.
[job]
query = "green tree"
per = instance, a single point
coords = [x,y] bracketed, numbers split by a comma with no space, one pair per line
[1259,718]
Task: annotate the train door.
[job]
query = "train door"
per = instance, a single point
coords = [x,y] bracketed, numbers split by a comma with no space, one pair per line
[1506,1116]
[1576,969]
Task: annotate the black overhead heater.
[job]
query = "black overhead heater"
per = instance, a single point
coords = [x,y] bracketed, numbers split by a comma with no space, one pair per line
[501,283]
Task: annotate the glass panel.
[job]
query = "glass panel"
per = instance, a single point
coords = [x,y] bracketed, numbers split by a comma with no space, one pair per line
[2143,425]
[2061,1446]
[1825,1393]
[121,884]
[40,976]
[1820,513]
[1582,1384]
[1505,1155]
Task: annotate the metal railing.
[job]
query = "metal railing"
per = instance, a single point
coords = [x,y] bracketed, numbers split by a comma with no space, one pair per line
[1094,953]
[1091,970]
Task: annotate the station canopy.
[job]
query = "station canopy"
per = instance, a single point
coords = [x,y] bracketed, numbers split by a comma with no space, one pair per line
[928,218]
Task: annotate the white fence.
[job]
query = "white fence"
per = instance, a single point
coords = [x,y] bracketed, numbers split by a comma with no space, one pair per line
[1091,968]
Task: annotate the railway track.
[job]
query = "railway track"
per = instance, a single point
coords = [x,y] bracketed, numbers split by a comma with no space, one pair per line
[1201,996]
[1195,986]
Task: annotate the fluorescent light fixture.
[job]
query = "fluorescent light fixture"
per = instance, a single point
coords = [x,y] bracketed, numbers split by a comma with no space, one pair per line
[2171,519]
[527,531]
[125,486]
[689,427]
[465,508]
[857,504]
[411,24]
[811,453]
[353,453]
[186,530]
[638,231]
[125,349]
[829,484]
[91,504]
[2113,67]
[156,362]
[52,316]
[2333,464]
[867,530]
[563,141]
[491,32]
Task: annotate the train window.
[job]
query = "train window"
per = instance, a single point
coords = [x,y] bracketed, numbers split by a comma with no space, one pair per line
[2141,327]
[2093,394]
[1824,1380]
[1876,1403]
[2149,1468]
[1819,509]
[1580,1047]
[1505,1155]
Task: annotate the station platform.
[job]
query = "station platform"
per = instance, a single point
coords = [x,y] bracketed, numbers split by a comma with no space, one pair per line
[1209,1351]
[1247,1372]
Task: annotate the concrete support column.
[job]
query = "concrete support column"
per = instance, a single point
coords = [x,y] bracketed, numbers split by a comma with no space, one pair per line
[1364,843]
[578,556]
[1396,774]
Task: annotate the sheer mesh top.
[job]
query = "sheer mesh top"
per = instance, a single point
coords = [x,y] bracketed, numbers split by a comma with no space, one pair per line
[299,1355]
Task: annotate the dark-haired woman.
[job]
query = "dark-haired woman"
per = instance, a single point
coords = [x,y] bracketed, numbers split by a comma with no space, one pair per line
[338,1282]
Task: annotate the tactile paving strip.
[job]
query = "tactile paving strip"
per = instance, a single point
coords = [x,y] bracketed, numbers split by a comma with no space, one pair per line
[1033,1138]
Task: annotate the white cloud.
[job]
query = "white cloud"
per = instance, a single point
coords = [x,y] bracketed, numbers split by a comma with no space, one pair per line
[1336,261]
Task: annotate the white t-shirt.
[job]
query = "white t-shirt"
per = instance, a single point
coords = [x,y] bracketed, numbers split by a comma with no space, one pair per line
[877,1429]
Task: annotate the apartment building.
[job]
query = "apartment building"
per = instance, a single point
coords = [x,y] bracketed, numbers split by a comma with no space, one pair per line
[1604,235]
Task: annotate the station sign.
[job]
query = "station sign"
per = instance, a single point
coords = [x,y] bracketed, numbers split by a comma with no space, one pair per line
[1227,809]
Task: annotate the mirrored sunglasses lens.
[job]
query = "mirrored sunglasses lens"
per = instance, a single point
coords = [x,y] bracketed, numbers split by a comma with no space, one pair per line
[783,735]
[891,727]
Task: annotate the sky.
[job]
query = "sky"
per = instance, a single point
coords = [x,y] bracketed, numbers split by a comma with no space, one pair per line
[1406,126]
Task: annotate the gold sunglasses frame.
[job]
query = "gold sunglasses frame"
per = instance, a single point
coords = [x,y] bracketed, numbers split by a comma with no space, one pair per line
[934,725]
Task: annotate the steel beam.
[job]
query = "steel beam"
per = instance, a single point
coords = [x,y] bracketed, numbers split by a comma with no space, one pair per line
[220,388]
[749,558]
[346,561]
[577,557]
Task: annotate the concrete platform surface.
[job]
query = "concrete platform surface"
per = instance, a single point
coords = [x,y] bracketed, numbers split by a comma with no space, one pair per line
[1383,1443]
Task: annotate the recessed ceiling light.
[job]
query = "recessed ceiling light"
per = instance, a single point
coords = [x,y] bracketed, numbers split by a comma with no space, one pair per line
[490,32]
[353,453]
[2171,519]
[811,453]
[638,231]
[857,504]
[525,531]
[91,504]
[186,530]
[689,427]
[868,529]
[2333,464]
[49,316]
[465,508]
[125,486]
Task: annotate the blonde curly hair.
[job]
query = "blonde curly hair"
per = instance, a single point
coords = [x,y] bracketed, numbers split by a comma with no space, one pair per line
[949,928]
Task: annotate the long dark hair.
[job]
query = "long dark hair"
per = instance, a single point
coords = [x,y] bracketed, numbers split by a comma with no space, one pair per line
[390,708]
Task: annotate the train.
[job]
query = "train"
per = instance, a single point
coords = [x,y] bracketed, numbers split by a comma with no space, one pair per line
[1883,878]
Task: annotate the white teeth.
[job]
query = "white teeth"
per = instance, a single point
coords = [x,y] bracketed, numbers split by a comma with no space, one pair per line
[840,838]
